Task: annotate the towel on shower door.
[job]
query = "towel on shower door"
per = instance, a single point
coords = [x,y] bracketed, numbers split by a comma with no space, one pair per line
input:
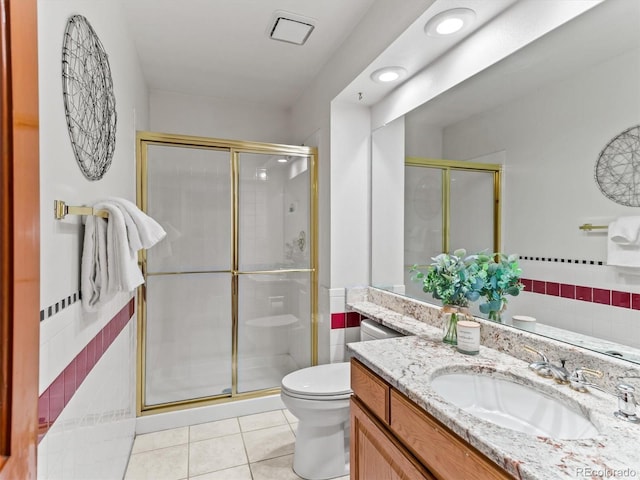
[623,242]
[109,257]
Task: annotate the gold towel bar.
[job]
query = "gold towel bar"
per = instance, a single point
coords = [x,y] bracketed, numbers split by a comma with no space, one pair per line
[61,210]
[588,227]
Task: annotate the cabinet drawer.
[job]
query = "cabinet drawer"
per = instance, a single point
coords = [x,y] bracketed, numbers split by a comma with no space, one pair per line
[439,449]
[371,390]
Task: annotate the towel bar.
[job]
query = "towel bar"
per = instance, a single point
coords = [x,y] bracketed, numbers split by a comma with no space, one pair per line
[588,227]
[61,210]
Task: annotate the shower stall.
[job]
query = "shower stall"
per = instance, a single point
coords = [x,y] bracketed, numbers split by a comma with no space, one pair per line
[229,302]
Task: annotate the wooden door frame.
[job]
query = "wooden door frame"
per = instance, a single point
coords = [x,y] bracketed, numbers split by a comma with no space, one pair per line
[20,240]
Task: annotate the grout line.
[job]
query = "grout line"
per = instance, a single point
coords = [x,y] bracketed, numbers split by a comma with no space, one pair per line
[246,452]
[188,451]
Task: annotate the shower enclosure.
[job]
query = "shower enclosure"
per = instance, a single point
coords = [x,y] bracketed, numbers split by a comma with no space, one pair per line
[229,303]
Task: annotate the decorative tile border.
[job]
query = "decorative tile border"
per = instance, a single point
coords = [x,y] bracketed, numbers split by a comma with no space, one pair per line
[56,397]
[562,260]
[345,320]
[57,307]
[615,298]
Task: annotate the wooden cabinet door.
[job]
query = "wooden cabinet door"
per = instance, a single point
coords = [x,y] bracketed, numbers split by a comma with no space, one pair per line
[19,240]
[443,452]
[376,454]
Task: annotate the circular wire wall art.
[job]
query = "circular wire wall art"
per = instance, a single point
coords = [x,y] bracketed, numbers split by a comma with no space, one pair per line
[618,168]
[89,102]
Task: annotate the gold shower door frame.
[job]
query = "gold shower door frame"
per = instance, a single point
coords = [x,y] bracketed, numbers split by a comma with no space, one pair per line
[446,166]
[235,148]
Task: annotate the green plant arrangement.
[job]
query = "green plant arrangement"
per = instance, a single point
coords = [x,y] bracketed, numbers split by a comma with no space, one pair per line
[499,275]
[459,279]
[452,279]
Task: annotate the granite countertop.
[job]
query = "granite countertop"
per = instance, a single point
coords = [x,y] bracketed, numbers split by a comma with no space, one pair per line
[409,363]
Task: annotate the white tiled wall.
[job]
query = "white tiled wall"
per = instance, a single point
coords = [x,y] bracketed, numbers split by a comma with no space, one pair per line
[339,337]
[92,437]
[65,334]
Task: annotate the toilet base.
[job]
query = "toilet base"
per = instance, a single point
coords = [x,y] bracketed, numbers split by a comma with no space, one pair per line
[321,453]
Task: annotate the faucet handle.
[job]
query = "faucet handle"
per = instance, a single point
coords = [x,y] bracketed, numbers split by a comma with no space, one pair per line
[542,356]
[626,403]
[541,367]
[580,383]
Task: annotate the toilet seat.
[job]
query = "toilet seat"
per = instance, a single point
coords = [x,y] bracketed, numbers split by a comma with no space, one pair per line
[321,382]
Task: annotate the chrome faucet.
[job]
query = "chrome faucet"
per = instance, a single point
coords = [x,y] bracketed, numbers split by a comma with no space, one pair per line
[579,382]
[541,367]
[624,392]
[546,369]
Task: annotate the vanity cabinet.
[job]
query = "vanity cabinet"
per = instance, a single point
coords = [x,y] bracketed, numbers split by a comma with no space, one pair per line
[393,438]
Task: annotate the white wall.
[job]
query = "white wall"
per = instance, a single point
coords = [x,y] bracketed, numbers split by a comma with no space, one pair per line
[387,200]
[218,118]
[65,334]
[350,184]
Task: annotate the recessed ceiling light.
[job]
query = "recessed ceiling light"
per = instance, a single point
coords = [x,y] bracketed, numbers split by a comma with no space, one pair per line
[282,160]
[388,74]
[449,22]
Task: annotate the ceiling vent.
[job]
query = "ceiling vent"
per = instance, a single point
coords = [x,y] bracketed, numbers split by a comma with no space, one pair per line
[291,28]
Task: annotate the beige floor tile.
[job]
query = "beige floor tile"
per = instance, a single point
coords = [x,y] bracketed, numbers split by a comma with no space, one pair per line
[274,469]
[291,418]
[294,427]
[162,439]
[216,454]
[162,464]
[262,420]
[236,473]
[216,429]
[269,443]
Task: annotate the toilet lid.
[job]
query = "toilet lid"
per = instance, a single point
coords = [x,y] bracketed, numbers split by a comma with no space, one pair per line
[322,380]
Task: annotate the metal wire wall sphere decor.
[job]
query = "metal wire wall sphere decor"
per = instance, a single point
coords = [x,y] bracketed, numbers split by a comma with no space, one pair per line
[618,168]
[89,102]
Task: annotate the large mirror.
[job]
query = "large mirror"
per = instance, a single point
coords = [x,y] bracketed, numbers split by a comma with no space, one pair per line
[545,114]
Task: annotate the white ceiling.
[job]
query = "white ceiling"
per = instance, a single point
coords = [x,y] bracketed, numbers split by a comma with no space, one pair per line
[600,34]
[220,48]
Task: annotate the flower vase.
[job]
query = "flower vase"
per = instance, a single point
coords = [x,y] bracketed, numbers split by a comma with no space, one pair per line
[496,315]
[450,324]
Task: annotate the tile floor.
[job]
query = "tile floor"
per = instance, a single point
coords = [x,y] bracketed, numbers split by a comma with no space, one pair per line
[253,447]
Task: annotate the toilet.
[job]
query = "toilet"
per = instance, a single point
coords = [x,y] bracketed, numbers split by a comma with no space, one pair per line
[319,397]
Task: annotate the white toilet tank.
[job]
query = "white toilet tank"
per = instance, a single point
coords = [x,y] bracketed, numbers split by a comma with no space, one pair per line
[370,330]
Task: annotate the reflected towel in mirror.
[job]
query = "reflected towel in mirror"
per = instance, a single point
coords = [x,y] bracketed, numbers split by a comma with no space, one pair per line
[623,242]
[625,231]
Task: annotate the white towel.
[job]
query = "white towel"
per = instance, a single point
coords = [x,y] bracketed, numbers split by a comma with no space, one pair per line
[625,231]
[94,277]
[109,257]
[623,242]
[148,230]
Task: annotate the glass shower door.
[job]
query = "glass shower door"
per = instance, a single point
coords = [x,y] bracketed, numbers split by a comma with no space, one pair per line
[274,274]
[189,280]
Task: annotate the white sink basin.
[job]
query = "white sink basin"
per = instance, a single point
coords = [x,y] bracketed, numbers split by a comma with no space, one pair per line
[512,405]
